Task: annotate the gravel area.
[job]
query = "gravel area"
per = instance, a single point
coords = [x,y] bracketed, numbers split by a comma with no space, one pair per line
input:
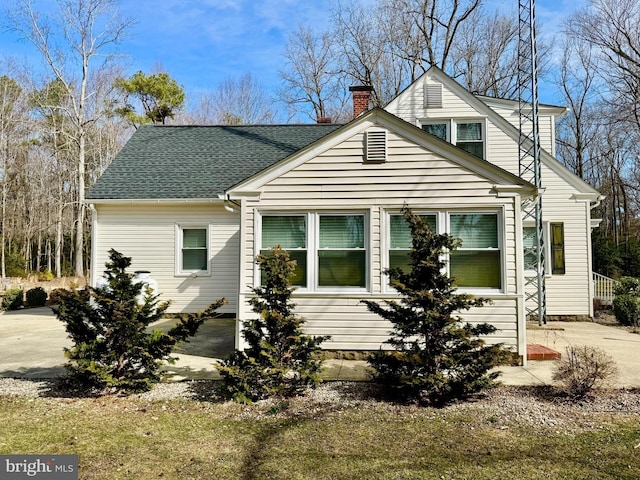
[539,407]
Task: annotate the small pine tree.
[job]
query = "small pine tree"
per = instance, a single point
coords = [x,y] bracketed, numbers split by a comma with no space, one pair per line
[436,357]
[112,347]
[280,360]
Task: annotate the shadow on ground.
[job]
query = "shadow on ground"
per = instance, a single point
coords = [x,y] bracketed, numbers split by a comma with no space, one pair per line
[215,338]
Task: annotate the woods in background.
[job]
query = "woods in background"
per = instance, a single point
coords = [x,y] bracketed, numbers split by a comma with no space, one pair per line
[62,124]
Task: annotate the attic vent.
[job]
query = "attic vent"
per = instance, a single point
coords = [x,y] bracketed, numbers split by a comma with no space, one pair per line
[433,95]
[376,146]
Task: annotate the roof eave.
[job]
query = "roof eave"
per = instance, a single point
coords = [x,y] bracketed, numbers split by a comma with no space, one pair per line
[150,201]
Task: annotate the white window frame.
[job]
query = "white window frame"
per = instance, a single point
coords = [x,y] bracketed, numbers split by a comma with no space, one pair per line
[546,247]
[452,128]
[313,241]
[527,271]
[258,242]
[179,237]
[447,123]
[443,225]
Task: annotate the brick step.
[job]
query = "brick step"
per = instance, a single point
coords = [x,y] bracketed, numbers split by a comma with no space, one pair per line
[540,352]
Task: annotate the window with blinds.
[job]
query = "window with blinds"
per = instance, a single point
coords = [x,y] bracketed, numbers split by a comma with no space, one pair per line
[194,250]
[290,233]
[400,242]
[469,137]
[341,251]
[477,262]
[330,250]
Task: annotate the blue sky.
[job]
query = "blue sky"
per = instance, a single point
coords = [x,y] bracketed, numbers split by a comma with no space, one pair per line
[202,42]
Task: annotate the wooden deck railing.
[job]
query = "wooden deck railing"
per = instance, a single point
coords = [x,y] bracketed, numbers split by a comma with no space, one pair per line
[603,288]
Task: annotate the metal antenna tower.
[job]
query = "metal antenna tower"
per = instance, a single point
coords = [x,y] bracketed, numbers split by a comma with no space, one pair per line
[529,155]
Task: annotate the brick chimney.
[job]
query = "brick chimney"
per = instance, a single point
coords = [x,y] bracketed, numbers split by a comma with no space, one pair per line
[323,120]
[361,97]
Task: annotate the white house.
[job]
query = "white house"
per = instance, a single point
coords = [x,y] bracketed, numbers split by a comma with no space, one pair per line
[195,205]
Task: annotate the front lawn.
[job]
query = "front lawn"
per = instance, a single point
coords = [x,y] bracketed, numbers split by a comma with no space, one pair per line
[335,433]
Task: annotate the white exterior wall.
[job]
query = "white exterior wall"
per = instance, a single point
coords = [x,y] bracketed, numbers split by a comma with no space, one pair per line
[338,180]
[546,126]
[147,233]
[568,294]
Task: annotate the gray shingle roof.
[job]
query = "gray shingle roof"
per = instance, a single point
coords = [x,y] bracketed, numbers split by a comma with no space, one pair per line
[192,162]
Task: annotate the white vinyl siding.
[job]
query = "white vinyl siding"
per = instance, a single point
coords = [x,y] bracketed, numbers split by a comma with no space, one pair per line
[147,234]
[337,181]
[567,294]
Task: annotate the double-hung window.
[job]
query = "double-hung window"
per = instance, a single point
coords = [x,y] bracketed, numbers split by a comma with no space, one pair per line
[330,249]
[438,129]
[400,242]
[530,249]
[477,263]
[290,232]
[468,135]
[554,232]
[192,250]
[342,256]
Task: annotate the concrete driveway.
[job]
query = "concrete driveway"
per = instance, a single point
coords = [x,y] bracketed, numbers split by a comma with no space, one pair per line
[32,342]
[624,348]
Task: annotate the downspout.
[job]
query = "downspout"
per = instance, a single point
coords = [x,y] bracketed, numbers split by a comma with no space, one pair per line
[94,248]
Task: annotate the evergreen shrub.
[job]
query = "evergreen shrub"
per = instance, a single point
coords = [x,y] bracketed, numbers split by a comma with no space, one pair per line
[435,357]
[112,345]
[280,361]
[56,294]
[36,297]
[626,309]
[626,303]
[13,299]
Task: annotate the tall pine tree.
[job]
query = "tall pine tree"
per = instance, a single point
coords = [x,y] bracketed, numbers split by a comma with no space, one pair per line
[435,357]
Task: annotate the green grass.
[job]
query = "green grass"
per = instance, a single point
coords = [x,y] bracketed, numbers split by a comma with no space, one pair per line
[129,438]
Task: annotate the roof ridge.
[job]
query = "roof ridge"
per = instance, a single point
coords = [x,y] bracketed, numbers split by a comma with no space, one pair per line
[249,125]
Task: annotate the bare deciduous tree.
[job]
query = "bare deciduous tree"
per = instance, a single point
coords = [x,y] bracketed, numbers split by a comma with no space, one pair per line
[613,27]
[241,100]
[14,127]
[71,39]
[313,84]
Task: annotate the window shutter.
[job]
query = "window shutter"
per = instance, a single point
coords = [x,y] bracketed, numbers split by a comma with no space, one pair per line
[432,95]
[557,249]
[376,146]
